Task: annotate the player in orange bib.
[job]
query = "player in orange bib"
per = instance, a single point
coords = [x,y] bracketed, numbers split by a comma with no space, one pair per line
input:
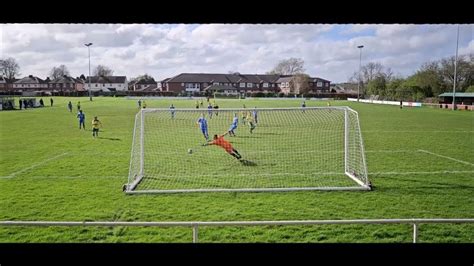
[220,141]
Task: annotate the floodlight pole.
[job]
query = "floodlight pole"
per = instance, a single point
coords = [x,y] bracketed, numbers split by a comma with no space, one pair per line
[360,65]
[455,72]
[88,48]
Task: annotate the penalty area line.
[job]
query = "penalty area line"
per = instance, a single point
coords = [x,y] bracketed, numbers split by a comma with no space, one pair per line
[34,166]
[447,157]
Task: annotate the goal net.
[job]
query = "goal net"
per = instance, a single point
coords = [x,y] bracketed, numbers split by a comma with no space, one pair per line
[281,149]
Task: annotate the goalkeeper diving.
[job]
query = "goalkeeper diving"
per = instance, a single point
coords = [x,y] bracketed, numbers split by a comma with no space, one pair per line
[220,141]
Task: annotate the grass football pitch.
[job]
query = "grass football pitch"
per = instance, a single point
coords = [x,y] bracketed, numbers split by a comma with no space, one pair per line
[420,161]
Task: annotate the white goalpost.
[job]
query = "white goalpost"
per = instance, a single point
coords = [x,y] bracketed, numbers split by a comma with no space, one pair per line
[282,149]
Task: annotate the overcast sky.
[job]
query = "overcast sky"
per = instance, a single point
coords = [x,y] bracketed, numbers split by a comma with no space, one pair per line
[165,50]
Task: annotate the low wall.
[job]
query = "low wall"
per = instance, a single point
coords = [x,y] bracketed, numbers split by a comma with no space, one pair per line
[409,104]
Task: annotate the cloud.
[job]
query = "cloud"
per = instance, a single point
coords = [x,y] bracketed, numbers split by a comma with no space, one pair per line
[329,51]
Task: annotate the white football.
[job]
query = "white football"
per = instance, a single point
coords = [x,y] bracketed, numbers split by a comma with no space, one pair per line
[190,151]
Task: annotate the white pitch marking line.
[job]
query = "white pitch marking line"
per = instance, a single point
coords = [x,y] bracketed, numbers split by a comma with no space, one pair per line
[72,177]
[35,165]
[421,173]
[447,157]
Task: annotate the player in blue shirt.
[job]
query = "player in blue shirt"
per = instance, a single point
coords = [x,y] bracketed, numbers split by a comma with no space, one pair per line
[202,122]
[233,126]
[172,110]
[82,119]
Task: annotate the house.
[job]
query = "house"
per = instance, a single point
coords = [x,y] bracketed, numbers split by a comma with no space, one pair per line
[162,85]
[142,83]
[315,85]
[223,89]
[237,83]
[198,82]
[319,85]
[66,84]
[3,83]
[346,88]
[148,88]
[30,83]
[106,83]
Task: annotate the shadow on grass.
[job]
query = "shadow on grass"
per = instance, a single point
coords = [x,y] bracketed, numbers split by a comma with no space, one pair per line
[109,138]
[247,163]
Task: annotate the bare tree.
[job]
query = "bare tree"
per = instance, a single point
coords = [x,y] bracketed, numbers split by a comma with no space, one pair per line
[58,72]
[370,71]
[465,71]
[101,70]
[9,68]
[299,84]
[289,67]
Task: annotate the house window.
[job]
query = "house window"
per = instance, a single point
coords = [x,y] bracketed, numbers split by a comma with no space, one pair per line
[249,85]
[327,84]
[265,85]
[242,85]
[320,84]
[192,86]
[96,85]
[103,85]
[182,84]
[215,83]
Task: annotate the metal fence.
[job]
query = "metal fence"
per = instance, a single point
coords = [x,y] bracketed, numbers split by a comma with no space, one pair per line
[195,225]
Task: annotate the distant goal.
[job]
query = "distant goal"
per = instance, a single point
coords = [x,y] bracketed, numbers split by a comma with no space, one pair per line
[289,149]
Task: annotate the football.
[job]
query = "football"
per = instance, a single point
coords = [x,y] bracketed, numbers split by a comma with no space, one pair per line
[190,151]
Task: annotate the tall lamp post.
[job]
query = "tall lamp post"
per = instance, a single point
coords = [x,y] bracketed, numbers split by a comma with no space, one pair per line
[89,49]
[455,72]
[360,65]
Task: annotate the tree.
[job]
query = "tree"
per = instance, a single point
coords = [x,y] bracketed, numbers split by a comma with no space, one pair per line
[288,67]
[394,89]
[58,72]
[377,86]
[299,84]
[464,69]
[9,68]
[82,77]
[428,79]
[369,72]
[145,77]
[101,70]
[470,89]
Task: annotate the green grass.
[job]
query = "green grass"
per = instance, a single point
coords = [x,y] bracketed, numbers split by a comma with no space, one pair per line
[51,170]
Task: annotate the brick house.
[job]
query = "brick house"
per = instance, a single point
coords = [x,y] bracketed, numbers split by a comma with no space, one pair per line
[66,84]
[31,83]
[316,85]
[198,82]
[6,84]
[237,83]
[141,84]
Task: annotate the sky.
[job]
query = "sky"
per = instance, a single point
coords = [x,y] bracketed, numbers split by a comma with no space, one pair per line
[165,50]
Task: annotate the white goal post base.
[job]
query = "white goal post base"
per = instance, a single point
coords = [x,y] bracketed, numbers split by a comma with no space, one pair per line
[321,146]
[249,190]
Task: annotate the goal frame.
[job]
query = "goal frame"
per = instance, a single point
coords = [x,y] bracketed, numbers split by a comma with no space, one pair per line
[134,180]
